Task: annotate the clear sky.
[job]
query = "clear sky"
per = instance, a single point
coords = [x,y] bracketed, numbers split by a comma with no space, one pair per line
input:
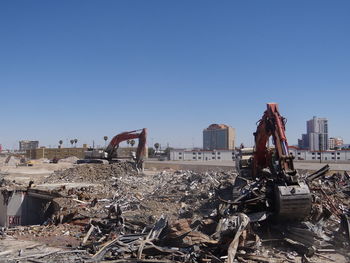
[85,69]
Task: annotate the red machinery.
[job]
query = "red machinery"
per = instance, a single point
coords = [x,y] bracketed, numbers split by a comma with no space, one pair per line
[124,136]
[292,198]
[109,154]
[278,160]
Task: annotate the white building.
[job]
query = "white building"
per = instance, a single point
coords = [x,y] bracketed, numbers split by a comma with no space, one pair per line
[327,156]
[201,155]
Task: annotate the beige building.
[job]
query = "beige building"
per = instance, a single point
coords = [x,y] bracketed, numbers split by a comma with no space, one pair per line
[219,137]
[335,143]
[59,153]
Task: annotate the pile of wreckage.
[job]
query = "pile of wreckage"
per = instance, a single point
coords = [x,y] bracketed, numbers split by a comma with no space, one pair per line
[184,216]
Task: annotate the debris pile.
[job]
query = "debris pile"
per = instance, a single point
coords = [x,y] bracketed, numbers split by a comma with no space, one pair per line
[9,160]
[42,160]
[92,173]
[184,216]
[72,160]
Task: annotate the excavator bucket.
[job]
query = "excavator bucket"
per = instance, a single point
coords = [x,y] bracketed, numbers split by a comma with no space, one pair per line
[293,202]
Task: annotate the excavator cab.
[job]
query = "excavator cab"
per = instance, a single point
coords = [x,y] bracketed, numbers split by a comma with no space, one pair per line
[243,160]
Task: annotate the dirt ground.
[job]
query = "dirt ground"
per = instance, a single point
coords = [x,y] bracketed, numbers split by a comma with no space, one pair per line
[25,174]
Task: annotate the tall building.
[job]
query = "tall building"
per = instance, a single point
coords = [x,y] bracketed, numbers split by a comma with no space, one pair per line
[219,137]
[316,137]
[28,145]
[303,143]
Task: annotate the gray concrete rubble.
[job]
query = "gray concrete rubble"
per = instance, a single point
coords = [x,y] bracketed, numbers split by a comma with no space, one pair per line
[110,213]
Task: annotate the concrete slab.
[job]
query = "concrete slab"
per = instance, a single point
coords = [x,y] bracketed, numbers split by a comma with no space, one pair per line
[18,207]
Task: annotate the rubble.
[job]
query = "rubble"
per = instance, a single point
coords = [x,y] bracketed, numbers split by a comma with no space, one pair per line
[184,216]
[71,160]
[318,173]
[9,160]
[92,173]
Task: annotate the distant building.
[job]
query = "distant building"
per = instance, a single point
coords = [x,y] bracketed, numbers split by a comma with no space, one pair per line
[316,138]
[319,156]
[79,152]
[28,145]
[59,153]
[304,142]
[335,143]
[219,137]
[201,155]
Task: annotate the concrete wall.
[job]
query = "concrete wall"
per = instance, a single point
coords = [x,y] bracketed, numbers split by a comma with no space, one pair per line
[21,208]
[10,209]
[51,153]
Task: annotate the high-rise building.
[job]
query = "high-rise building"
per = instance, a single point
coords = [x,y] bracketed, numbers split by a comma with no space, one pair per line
[316,137]
[303,143]
[28,145]
[219,137]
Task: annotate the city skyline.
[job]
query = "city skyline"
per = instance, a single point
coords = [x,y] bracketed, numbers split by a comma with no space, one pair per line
[87,69]
[151,141]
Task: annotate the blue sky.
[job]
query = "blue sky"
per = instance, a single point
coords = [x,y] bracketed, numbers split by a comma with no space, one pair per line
[85,69]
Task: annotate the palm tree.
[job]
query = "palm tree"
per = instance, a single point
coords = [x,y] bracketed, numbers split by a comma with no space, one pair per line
[156,145]
[132,142]
[75,141]
[105,138]
[60,142]
[72,142]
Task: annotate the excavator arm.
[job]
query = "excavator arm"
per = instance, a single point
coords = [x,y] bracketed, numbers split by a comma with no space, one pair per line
[272,124]
[292,199]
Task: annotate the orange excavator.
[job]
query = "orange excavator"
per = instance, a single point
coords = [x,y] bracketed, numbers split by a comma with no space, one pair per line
[292,198]
[109,154]
[124,136]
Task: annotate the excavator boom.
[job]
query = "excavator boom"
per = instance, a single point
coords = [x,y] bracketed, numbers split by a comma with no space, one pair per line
[292,198]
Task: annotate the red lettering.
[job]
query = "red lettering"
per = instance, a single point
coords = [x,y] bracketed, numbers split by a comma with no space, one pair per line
[14,220]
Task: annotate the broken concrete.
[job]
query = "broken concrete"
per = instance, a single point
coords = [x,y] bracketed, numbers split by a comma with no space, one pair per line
[110,213]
